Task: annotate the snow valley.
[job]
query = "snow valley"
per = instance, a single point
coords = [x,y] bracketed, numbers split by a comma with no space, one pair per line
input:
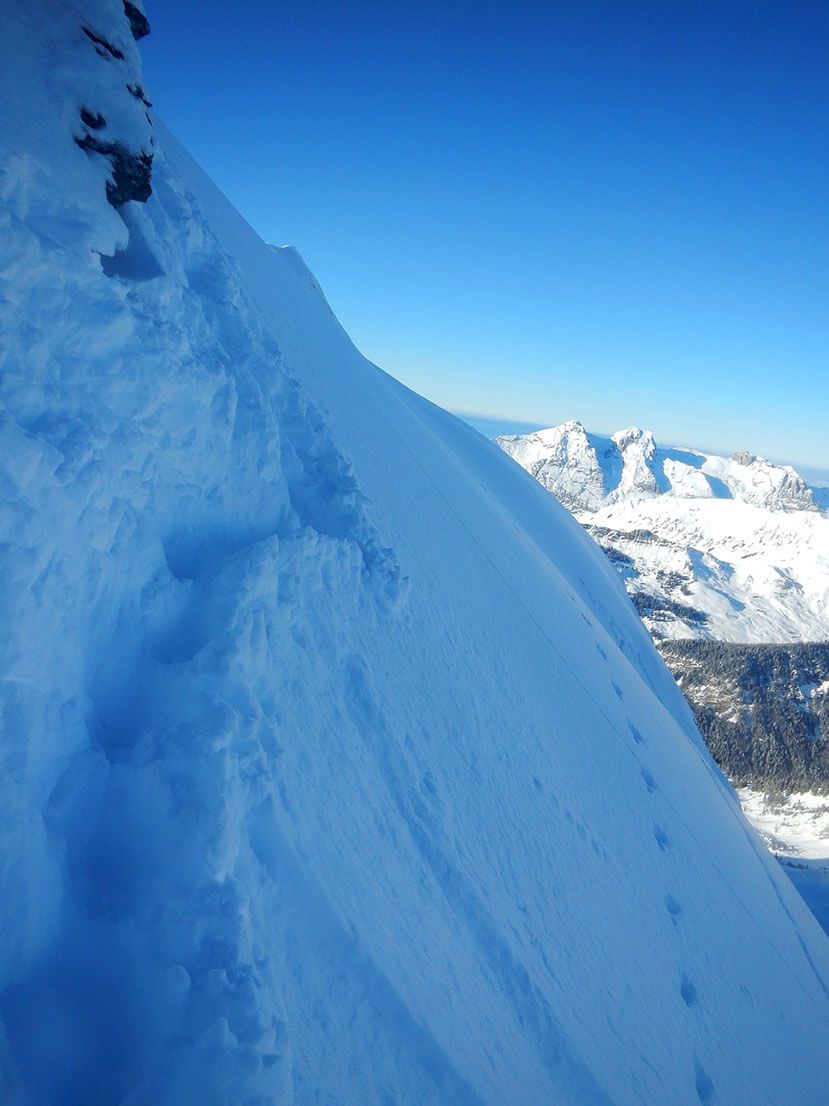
[337,767]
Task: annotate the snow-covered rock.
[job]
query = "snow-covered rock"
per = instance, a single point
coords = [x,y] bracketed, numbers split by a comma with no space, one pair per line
[336,767]
[564,461]
[726,548]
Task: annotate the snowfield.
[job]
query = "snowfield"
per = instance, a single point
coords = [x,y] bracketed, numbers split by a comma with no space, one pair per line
[756,575]
[336,766]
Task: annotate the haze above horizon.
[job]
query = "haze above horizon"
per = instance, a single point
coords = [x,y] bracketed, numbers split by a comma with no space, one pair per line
[540,212]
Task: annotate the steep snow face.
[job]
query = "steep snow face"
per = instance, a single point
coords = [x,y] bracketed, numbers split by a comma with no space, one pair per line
[336,767]
[727,548]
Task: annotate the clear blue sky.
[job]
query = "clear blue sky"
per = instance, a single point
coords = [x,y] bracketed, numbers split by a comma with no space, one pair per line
[615,211]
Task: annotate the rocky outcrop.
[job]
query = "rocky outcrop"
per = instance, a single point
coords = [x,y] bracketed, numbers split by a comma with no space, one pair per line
[586,471]
[102,46]
[564,461]
[765,484]
[131,172]
[115,121]
[139,24]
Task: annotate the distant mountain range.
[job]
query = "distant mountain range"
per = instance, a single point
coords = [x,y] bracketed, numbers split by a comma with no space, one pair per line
[720,548]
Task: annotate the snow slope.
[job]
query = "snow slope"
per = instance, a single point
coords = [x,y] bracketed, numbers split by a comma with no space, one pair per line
[336,766]
[727,548]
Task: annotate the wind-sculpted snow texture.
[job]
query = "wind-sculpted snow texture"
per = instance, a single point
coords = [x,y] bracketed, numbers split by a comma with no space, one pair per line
[724,548]
[336,767]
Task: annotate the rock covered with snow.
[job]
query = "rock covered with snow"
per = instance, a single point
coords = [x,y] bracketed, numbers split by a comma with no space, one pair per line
[139,24]
[564,461]
[115,118]
[336,767]
[756,480]
[90,93]
[637,451]
[584,470]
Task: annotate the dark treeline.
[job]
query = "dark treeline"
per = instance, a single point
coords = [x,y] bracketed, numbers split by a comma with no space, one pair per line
[762,709]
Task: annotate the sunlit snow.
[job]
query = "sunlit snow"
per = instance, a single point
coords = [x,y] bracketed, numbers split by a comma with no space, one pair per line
[337,766]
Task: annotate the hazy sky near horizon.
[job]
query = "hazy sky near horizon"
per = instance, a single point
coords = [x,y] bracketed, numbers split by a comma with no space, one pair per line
[611,212]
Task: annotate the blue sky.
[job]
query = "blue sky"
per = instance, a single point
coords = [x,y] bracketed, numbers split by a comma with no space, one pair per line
[612,212]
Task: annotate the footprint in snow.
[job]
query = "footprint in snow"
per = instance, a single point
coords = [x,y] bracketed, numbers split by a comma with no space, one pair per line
[650,782]
[688,991]
[598,849]
[673,908]
[702,1083]
[636,735]
[661,838]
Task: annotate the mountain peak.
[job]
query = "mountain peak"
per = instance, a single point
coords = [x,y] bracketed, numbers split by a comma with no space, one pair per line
[624,438]
[744,457]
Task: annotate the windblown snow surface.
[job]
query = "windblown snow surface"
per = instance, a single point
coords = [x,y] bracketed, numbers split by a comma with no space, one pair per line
[336,765]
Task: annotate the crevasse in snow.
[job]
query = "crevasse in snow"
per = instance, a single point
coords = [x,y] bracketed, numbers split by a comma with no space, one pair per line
[336,766]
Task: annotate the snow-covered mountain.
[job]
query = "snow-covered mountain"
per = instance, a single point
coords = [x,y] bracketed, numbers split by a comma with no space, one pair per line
[795,827]
[336,766]
[587,472]
[726,548]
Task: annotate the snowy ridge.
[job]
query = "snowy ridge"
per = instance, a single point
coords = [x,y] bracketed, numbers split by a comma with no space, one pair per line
[586,471]
[725,548]
[336,766]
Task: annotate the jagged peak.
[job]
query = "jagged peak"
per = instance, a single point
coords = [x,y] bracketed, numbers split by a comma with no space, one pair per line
[632,434]
[554,434]
[571,463]
[571,426]
[745,457]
